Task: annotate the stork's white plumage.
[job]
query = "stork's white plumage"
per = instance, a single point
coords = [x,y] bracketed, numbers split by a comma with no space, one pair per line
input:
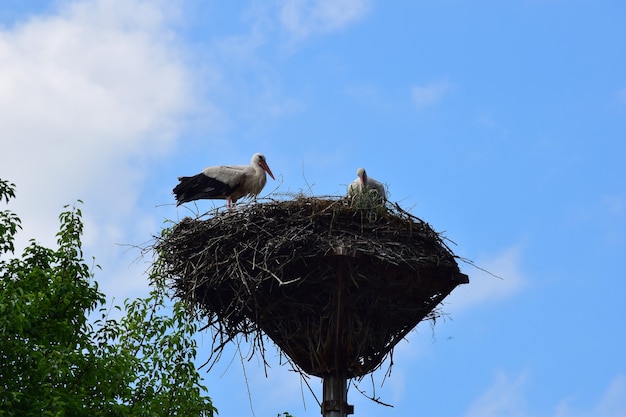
[230,182]
[363,183]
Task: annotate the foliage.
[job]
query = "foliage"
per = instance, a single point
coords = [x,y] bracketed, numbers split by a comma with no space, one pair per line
[54,361]
[9,223]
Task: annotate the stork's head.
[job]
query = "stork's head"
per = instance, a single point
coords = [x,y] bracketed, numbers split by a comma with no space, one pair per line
[259,160]
[362,175]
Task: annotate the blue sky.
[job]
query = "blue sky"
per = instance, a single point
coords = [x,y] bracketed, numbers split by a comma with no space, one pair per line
[500,123]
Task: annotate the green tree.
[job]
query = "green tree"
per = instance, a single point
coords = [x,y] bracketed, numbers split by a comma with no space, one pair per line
[55,361]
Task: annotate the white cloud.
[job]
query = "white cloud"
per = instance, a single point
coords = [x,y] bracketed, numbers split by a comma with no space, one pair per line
[505,397]
[88,96]
[304,18]
[429,94]
[484,287]
[612,403]
[613,400]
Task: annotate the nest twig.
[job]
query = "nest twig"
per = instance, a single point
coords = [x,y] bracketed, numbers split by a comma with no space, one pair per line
[334,282]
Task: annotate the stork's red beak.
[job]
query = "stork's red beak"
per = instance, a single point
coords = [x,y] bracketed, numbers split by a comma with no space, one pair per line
[267,169]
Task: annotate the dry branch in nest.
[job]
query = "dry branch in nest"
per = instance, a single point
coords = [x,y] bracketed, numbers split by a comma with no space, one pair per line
[334,282]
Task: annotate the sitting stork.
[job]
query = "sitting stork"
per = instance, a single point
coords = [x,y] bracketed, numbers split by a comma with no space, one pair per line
[363,183]
[231,182]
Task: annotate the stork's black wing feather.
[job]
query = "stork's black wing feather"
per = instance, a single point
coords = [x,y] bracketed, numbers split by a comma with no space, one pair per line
[201,186]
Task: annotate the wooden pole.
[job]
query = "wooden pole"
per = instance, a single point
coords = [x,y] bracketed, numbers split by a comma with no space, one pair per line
[335,397]
[335,385]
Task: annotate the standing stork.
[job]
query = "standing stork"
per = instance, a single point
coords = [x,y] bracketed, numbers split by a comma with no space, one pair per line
[363,183]
[231,182]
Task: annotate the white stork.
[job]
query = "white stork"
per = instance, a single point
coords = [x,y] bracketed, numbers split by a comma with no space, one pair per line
[226,181]
[364,183]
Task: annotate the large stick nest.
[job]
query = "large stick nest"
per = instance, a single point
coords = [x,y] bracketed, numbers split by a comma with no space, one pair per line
[333,282]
